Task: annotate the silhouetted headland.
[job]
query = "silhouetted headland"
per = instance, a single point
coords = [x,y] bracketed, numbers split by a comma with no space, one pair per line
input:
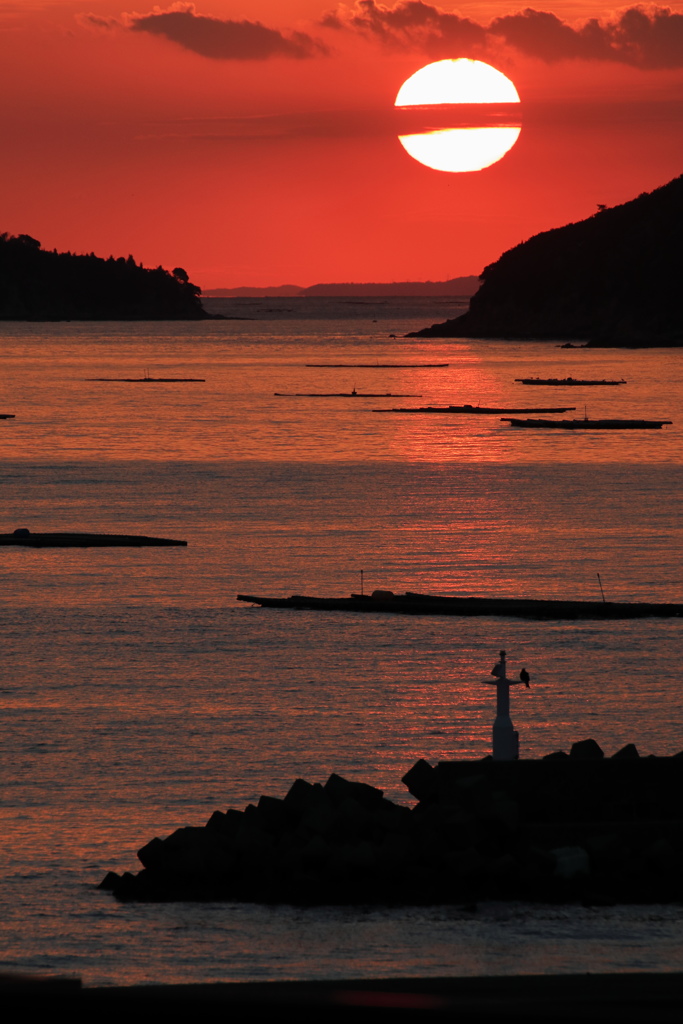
[574,827]
[431,604]
[613,279]
[36,284]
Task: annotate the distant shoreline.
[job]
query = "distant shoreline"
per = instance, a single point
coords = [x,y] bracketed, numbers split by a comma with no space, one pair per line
[462,287]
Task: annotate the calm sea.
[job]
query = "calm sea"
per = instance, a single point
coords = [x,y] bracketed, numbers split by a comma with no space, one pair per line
[139,696]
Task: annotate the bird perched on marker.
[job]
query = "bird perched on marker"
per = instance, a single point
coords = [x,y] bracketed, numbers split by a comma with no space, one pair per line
[525,677]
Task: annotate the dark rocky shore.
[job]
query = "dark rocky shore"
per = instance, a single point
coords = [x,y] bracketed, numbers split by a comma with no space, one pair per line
[575,827]
[613,280]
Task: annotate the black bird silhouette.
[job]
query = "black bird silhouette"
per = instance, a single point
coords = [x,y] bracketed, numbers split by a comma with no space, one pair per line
[525,677]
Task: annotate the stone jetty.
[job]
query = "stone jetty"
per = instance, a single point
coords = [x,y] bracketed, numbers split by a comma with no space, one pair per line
[570,827]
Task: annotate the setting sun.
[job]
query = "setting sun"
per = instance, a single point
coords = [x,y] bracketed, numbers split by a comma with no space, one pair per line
[453,83]
[460,149]
[456,81]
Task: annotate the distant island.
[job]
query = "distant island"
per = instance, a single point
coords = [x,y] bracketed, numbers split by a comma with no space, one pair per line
[611,280]
[459,286]
[37,284]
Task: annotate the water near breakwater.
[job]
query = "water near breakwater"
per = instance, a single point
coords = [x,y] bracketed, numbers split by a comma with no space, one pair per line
[570,828]
[139,697]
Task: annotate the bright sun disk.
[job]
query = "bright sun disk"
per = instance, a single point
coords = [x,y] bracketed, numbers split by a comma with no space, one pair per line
[454,82]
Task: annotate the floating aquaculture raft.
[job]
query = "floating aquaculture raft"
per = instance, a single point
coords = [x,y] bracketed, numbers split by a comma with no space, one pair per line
[427,604]
[586,424]
[26,539]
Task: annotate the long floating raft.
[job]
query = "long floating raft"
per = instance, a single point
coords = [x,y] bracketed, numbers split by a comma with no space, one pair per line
[26,539]
[383,366]
[344,394]
[11,415]
[482,410]
[566,382]
[150,380]
[427,604]
[586,424]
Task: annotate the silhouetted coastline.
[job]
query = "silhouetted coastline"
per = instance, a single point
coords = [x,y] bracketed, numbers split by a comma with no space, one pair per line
[613,280]
[37,285]
[456,286]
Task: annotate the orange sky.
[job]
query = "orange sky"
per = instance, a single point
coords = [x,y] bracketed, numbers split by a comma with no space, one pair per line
[266,153]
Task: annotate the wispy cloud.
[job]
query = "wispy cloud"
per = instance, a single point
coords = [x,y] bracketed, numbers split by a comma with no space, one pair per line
[16,11]
[332,124]
[97,21]
[645,36]
[377,122]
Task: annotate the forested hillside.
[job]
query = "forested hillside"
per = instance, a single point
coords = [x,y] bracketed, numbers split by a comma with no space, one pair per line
[613,279]
[39,285]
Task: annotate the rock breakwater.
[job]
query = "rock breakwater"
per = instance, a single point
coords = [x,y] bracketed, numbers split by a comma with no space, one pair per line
[566,828]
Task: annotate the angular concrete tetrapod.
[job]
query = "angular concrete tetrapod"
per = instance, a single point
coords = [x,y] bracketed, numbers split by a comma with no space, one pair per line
[505,739]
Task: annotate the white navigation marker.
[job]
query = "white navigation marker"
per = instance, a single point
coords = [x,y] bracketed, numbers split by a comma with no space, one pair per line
[505,738]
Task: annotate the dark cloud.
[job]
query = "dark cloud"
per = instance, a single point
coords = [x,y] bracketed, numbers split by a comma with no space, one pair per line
[643,36]
[411,24]
[223,40]
[654,36]
[647,37]
[543,35]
